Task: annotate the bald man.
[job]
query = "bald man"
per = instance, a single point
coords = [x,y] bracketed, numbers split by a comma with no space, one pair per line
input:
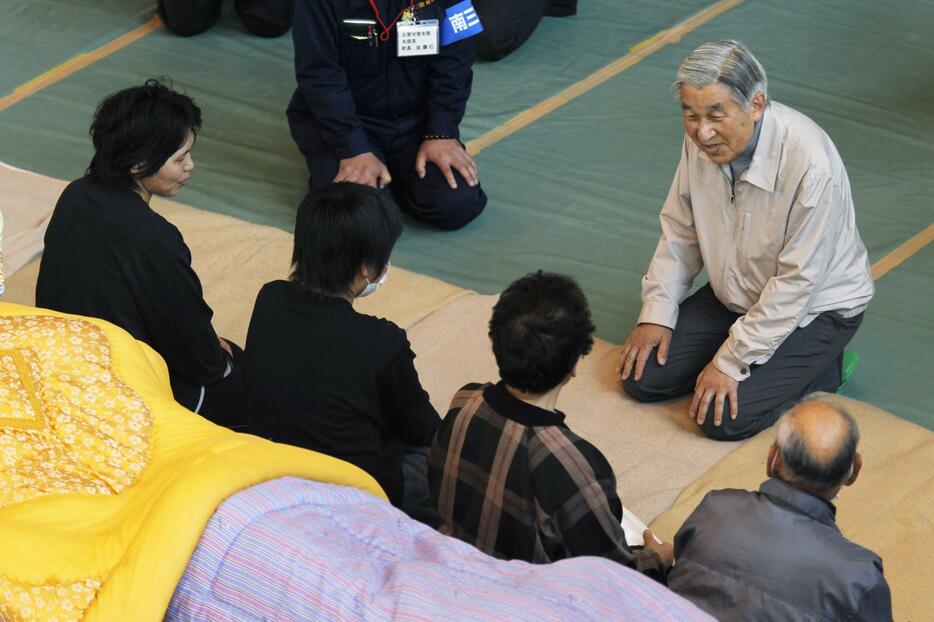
[777,554]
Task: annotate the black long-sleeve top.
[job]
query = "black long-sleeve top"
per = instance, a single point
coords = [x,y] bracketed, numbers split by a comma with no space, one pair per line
[320,375]
[352,91]
[109,255]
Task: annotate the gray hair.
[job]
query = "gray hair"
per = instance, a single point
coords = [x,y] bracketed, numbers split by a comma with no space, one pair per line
[802,467]
[728,62]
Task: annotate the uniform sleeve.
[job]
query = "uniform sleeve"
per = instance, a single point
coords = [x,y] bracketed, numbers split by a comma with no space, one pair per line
[450,75]
[170,301]
[577,489]
[322,80]
[409,413]
[677,259]
[814,223]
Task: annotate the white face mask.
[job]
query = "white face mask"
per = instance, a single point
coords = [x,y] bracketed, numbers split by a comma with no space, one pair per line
[372,287]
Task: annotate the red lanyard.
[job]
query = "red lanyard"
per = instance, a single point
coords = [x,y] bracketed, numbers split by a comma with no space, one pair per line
[384,36]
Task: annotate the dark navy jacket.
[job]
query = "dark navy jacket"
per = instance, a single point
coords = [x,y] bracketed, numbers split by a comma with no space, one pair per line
[351,93]
[775,554]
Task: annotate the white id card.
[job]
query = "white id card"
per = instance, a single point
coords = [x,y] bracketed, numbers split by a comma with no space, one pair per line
[417,38]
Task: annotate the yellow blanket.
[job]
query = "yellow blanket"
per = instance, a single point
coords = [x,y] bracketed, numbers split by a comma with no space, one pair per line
[105,482]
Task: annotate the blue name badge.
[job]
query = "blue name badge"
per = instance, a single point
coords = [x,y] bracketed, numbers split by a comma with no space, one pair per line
[460,22]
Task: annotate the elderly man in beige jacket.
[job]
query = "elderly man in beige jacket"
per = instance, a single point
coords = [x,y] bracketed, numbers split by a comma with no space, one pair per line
[762,199]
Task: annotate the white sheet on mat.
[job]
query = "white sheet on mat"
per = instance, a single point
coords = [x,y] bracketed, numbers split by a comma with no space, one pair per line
[26,200]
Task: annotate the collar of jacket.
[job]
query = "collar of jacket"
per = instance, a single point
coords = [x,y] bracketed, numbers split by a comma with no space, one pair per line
[815,507]
[763,170]
[506,404]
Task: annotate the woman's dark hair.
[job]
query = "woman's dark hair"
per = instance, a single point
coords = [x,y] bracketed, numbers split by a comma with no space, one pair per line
[339,229]
[540,328]
[141,126]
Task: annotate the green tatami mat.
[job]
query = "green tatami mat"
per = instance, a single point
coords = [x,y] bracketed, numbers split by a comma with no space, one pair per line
[578,191]
[38,35]
[248,165]
[896,343]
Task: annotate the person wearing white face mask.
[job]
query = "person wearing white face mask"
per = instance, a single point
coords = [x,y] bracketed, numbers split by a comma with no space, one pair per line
[777,554]
[319,374]
[371,287]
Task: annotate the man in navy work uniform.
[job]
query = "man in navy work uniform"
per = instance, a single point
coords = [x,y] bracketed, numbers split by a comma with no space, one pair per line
[382,88]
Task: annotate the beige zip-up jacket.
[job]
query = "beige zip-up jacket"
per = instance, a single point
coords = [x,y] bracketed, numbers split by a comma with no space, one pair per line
[780,246]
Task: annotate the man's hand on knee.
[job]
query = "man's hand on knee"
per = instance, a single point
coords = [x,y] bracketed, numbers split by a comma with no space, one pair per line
[714,386]
[449,156]
[638,348]
[364,169]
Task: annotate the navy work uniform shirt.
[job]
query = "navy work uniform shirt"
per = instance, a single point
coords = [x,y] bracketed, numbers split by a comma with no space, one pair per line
[353,92]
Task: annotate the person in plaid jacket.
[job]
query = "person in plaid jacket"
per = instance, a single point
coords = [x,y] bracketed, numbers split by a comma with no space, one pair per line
[507,474]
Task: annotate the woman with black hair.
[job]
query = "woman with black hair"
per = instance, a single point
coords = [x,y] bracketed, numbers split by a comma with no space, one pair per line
[109,255]
[319,374]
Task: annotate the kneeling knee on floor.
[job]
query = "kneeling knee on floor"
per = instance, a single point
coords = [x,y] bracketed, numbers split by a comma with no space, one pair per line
[455,213]
[648,389]
[745,425]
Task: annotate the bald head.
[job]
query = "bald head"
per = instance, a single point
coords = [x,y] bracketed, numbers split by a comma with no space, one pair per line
[817,443]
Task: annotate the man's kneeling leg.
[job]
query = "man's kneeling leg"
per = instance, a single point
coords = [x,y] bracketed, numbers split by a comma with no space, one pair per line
[189,17]
[661,382]
[703,324]
[809,360]
[431,199]
[749,421]
[265,18]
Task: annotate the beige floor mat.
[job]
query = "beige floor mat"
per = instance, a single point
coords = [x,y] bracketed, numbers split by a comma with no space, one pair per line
[889,509]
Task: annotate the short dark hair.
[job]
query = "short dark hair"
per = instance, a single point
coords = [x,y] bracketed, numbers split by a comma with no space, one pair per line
[540,328]
[803,468]
[141,126]
[339,229]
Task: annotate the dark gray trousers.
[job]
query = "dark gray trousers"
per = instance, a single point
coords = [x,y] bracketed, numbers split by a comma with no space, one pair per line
[266,18]
[416,496]
[811,359]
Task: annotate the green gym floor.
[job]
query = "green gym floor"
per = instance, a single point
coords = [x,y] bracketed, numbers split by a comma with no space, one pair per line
[577,191]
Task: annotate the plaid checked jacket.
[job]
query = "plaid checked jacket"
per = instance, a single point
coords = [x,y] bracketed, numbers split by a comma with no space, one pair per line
[514,481]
